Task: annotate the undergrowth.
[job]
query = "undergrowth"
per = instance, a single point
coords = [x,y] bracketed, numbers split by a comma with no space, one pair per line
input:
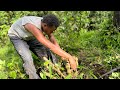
[93,60]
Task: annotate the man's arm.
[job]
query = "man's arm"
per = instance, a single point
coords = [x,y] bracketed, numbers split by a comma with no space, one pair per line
[40,37]
[53,40]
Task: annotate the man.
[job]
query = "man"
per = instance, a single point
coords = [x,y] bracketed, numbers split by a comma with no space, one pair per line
[28,33]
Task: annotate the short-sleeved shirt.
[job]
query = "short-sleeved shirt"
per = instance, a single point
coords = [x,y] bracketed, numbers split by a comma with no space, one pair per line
[17,29]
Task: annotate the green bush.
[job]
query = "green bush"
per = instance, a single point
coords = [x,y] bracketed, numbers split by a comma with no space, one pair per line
[89,35]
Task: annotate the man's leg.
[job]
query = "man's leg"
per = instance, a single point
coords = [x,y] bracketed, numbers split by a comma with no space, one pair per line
[23,50]
[41,51]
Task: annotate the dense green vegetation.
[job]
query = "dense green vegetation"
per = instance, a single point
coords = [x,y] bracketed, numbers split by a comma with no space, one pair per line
[88,35]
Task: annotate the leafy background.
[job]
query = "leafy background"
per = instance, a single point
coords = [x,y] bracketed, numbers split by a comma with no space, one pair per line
[88,35]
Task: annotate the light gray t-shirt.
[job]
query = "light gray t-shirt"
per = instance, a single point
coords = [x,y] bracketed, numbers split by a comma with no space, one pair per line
[18,29]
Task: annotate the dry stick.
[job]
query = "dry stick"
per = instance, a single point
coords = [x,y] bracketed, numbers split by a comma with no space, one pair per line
[54,67]
[69,71]
[76,60]
[68,68]
[115,69]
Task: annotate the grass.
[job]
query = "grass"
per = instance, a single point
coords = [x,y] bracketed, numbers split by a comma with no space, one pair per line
[93,61]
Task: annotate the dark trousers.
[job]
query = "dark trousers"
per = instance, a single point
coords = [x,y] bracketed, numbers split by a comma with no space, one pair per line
[24,49]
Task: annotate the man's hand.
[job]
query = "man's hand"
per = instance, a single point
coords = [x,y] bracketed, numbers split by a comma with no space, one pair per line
[73,63]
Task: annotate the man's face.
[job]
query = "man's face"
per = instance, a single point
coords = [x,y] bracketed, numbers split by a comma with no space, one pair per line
[48,30]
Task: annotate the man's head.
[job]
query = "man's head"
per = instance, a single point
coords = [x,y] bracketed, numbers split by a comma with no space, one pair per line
[50,23]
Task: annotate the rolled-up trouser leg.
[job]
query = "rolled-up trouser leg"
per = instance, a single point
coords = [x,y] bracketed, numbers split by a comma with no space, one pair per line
[23,50]
[41,51]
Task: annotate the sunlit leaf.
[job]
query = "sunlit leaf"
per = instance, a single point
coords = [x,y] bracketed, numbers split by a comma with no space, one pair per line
[13,74]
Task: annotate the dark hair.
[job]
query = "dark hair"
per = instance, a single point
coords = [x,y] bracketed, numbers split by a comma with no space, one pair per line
[51,20]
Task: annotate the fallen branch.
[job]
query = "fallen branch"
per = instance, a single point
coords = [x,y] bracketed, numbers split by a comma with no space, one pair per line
[69,71]
[115,69]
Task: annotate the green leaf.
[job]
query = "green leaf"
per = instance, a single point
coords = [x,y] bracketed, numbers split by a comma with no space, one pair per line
[9,64]
[2,62]
[41,75]
[3,75]
[13,74]
[115,74]
[46,63]
[69,76]
[50,70]
[81,75]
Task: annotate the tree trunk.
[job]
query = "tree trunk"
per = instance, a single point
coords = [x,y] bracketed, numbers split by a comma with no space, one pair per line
[116,19]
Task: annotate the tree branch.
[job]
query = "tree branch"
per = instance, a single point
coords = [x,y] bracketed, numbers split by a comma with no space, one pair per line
[115,69]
